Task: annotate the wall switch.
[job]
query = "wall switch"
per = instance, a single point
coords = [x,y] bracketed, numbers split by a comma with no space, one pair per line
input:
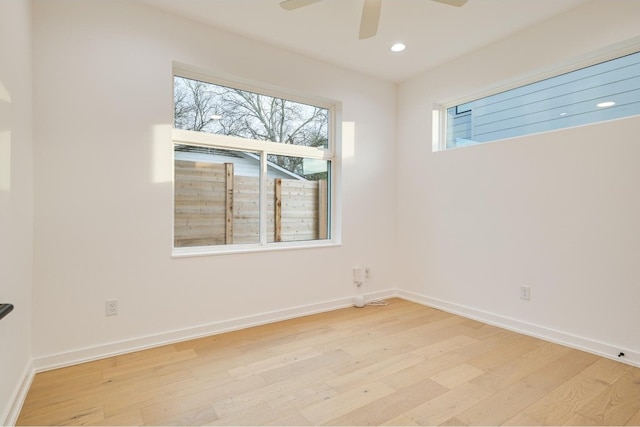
[367,273]
[111,307]
[525,293]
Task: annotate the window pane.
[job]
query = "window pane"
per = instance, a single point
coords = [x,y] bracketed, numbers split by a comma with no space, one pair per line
[216,196]
[604,91]
[298,199]
[206,107]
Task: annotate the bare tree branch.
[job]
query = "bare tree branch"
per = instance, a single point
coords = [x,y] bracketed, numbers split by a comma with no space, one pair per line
[211,108]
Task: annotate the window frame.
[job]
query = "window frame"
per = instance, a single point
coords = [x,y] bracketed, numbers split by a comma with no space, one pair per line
[330,154]
[439,110]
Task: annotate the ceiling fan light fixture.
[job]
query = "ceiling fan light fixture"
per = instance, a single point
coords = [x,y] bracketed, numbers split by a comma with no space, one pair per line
[398,47]
[370,13]
[370,19]
[456,3]
[296,4]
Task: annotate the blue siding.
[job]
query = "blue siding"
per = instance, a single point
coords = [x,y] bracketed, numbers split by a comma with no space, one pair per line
[566,100]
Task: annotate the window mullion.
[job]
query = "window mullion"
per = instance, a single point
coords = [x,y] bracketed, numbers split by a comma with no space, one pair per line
[243,144]
[263,198]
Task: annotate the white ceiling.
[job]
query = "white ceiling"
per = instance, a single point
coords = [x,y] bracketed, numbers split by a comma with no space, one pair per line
[328,30]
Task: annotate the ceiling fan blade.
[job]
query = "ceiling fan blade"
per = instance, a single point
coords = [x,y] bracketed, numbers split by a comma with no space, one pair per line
[456,3]
[370,18]
[295,4]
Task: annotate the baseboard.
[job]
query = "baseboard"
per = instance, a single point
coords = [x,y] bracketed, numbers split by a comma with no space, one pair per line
[88,354]
[121,347]
[10,416]
[574,341]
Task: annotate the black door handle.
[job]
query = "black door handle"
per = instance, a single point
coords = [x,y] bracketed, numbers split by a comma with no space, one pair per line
[5,309]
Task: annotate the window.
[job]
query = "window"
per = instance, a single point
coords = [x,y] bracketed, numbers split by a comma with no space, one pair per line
[252,169]
[605,91]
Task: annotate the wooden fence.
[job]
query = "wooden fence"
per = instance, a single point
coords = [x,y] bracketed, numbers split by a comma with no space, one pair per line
[215,207]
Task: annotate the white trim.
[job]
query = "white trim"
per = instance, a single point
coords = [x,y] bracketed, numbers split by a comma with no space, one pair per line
[73,357]
[88,354]
[262,197]
[203,139]
[332,154]
[82,355]
[191,251]
[439,131]
[12,411]
[607,350]
[528,135]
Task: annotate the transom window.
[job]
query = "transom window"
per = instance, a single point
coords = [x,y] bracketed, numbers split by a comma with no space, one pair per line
[605,91]
[252,170]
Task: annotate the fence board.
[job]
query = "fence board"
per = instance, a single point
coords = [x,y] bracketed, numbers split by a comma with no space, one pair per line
[213,206]
[229,202]
[278,209]
[323,209]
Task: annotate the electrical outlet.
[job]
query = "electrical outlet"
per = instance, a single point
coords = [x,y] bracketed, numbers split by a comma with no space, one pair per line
[525,293]
[358,275]
[111,307]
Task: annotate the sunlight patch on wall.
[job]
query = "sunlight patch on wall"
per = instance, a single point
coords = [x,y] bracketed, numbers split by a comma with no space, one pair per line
[161,154]
[5,161]
[348,139]
[4,94]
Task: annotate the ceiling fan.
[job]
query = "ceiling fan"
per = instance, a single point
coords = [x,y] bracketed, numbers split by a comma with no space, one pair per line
[370,13]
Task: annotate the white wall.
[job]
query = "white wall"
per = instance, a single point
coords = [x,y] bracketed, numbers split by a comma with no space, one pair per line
[558,212]
[103,166]
[16,201]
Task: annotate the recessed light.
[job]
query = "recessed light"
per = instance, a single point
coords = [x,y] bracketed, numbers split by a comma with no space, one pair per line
[606,104]
[563,114]
[215,117]
[398,47]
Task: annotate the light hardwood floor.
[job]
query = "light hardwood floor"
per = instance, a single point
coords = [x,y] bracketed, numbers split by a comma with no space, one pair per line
[401,364]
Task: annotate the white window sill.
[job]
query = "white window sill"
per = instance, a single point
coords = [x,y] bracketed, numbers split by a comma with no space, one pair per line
[250,248]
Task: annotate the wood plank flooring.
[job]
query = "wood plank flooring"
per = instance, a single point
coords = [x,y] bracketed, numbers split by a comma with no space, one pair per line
[400,364]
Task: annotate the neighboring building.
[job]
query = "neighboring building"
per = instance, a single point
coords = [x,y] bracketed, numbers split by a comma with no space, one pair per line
[244,164]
